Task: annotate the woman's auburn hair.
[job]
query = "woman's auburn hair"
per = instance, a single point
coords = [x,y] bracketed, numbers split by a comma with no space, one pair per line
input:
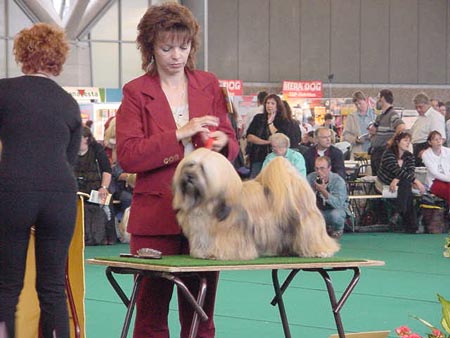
[41,48]
[171,18]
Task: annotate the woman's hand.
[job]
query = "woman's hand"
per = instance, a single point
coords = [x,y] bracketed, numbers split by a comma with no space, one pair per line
[197,125]
[419,186]
[219,139]
[103,193]
[393,185]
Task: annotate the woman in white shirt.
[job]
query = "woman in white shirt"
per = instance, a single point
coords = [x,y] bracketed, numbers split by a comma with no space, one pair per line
[437,160]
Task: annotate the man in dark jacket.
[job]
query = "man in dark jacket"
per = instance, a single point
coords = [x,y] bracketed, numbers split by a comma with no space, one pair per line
[324,147]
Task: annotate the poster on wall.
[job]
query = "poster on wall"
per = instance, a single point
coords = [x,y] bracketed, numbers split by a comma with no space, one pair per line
[98,113]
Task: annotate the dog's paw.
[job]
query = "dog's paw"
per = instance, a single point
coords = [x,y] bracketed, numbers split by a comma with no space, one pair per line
[324,254]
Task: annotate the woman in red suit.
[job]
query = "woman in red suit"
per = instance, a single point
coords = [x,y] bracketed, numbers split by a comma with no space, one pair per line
[165,114]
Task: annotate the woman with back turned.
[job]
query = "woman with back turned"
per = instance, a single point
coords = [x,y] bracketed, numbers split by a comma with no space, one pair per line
[40,127]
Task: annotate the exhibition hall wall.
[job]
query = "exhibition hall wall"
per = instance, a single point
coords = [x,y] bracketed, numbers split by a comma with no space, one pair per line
[347,44]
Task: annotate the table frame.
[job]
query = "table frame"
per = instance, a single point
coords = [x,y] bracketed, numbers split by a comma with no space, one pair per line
[175,274]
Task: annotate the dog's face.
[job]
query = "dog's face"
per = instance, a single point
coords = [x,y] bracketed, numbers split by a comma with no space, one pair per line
[201,176]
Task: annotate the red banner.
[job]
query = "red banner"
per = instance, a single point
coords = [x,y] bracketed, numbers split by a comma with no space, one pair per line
[302,89]
[234,87]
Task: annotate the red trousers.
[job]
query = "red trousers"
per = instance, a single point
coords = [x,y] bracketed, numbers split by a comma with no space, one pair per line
[441,189]
[152,306]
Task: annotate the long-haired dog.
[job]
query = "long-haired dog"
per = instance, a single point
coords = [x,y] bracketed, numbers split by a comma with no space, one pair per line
[224,218]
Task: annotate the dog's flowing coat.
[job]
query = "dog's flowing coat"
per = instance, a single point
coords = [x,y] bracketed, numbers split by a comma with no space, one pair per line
[225,218]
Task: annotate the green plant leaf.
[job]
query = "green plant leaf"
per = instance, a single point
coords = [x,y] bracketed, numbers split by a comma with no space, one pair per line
[445,313]
[423,321]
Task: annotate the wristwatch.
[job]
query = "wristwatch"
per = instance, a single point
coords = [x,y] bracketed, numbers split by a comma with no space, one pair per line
[104,187]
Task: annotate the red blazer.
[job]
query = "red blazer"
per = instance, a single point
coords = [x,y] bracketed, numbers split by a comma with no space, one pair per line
[147,145]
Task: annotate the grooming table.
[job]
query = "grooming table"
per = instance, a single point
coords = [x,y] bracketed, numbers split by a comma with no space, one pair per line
[173,268]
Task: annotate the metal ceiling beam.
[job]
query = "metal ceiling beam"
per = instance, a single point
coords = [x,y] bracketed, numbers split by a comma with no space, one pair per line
[72,21]
[40,11]
[93,14]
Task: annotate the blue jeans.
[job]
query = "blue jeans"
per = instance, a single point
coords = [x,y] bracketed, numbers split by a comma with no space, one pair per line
[334,218]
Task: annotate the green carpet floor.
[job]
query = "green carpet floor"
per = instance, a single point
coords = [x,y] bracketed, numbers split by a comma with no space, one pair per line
[384,298]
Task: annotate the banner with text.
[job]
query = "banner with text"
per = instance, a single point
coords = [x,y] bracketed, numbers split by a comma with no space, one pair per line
[302,89]
[234,87]
[84,94]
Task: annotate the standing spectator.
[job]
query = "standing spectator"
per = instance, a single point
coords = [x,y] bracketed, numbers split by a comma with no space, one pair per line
[324,147]
[280,147]
[397,171]
[385,126]
[437,161]
[260,97]
[421,127]
[272,120]
[294,133]
[328,123]
[357,124]
[436,119]
[447,122]
[310,124]
[434,104]
[441,108]
[331,195]
[40,125]
[167,113]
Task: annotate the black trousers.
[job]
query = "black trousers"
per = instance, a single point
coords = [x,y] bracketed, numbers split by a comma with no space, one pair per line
[405,205]
[53,214]
[417,148]
[376,153]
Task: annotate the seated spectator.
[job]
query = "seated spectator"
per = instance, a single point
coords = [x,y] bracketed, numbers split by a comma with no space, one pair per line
[93,172]
[437,161]
[324,147]
[331,195]
[397,171]
[120,188]
[280,147]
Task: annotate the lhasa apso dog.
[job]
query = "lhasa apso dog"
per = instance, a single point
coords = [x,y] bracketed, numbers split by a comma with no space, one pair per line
[224,218]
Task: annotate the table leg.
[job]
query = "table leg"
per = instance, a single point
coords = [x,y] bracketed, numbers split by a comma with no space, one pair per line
[278,299]
[196,304]
[337,305]
[132,303]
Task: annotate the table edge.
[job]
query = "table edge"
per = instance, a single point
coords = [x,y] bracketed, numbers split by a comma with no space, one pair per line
[282,266]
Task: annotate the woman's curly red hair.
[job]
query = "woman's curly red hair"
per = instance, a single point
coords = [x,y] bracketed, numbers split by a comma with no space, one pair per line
[166,18]
[41,48]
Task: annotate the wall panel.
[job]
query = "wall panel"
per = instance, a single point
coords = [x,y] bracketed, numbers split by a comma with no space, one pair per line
[359,41]
[403,41]
[446,43]
[345,41]
[431,36]
[223,25]
[315,40]
[284,41]
[374,41]
[254,40]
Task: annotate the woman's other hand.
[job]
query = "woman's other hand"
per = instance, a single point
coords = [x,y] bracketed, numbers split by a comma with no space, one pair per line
[393,185]
[417,184]
[219,139]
